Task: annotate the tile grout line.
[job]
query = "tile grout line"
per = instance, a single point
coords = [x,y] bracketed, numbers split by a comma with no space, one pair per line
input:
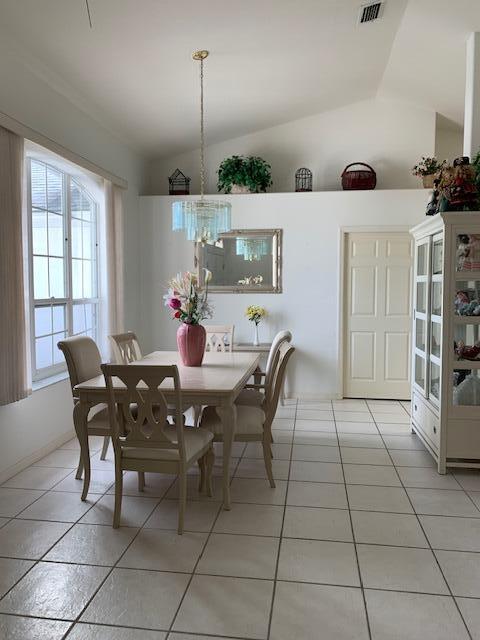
[430,547]
[360,577]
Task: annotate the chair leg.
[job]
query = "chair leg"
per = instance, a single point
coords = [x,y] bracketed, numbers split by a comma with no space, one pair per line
[182,479]
[141,481]
[106,442]
[268,462]
[78,475]
[202,463]
[197,412]
[210,460]
[118,496]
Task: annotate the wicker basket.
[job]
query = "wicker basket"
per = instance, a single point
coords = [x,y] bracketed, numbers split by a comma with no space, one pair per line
[358,178]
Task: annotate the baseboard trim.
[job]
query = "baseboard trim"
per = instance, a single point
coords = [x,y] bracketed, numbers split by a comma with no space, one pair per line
[36,455]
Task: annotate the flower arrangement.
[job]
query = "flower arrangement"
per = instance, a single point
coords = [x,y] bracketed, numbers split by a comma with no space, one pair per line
[255,314]
[187,301]
[249,280]
[427,166]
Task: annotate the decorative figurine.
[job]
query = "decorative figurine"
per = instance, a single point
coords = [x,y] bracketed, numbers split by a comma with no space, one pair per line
[433,201]
[464,352]
[303,179]
[458,190]
[178,184]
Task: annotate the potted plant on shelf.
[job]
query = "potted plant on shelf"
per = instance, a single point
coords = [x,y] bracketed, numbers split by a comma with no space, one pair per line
[426,169]
[255,314]
[240,174]
[190,306]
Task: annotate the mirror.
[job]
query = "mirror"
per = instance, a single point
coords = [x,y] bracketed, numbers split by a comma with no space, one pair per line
[243,260]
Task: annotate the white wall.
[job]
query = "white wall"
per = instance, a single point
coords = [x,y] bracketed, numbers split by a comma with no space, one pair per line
[309,303]
[29,426]
[448,143]
[391,136]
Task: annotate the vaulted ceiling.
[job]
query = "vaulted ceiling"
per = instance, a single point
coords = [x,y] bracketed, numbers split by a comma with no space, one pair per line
[271,60]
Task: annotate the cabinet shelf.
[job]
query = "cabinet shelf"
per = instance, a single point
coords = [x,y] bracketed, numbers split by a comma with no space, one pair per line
[466,319]
[467,275]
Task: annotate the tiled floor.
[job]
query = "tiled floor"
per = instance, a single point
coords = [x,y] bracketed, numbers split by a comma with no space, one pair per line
[361,539]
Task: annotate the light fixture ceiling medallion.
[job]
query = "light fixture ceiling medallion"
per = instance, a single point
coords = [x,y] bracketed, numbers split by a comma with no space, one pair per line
[202,220]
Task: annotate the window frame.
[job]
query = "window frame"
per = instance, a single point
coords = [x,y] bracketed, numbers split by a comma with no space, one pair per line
[68,301]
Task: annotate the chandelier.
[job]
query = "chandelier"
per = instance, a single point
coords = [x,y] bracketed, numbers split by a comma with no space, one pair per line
[253,249]
[202,220]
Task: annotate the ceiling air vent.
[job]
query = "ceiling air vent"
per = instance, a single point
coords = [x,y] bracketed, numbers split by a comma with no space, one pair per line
[370,12]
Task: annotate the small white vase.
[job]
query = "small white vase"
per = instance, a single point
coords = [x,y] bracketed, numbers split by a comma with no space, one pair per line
[256,341]
[239,188]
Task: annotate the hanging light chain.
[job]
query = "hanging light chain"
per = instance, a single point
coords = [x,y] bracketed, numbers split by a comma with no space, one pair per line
[202,135]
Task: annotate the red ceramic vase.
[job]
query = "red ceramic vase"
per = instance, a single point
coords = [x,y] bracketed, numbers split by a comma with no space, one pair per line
[191,339]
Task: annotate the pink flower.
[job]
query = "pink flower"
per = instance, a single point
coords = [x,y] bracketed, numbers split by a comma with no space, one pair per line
[174,303]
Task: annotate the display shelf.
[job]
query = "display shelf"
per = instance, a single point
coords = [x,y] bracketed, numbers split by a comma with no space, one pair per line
[446,390]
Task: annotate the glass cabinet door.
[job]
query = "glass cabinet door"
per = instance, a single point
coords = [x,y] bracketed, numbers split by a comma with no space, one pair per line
[437,256]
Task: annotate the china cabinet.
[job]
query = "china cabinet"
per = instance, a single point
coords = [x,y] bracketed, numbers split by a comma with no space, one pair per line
[446,338]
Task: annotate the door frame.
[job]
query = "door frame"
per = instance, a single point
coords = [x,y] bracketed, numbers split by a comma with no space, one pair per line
[343,234]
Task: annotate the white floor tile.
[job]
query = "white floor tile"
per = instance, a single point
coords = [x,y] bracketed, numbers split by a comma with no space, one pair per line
[461,571]
[18,628]
[58,507]
[156,485]
[456,534]
[82,631]
[317,494]
[52,590]
[152,596]
[37,478]
[314,414]
[310,612]
[226,607]
[3,521]
[353,416]
[412,458]
[411,442]
[282,437]
[318,561]
[357,455]
[371,498]
[11,571]
[257,491]
[350,405]
[65,458]
[100,481]
[394,408]
[316,471]
[239,556]
[399,568]
[30,539]
[13,501]
[469,480]
[442,502]
[471,614]
[357,428]
[317,405]
[92,544]
[389,429]
[426,478]
[280,450]
[316,437]
[160,550]
[325,426]
[317,524]
[249,468]
[199,516]
[251,519]
[315,453]
[360,440]
[393,529]
[194,494]
[396,616]
[283,424]
[392,418]
[371,474]
[135,511]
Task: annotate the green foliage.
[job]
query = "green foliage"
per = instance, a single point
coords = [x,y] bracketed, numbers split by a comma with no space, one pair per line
[427,166]
[252,172]
[476,165]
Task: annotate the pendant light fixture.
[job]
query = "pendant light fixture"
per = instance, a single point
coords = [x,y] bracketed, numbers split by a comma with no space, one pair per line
[202,220]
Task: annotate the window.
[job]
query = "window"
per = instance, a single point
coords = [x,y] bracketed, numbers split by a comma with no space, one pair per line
[63,263]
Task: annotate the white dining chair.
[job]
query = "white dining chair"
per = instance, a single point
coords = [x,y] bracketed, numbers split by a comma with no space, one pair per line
[254,394]
[144,440]
[125,347]
[254,423]
[219,337]
[83,363]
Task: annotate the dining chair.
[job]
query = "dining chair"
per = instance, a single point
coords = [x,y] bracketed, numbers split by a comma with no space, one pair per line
[126,348]
[254,423]
[84,362]
[219,337]
[144,440]
[254,394]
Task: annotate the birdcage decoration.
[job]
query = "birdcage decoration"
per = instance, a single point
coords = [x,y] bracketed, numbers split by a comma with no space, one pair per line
[178,184]
[303,179]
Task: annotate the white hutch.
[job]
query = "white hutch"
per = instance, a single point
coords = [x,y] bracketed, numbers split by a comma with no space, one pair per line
[446,338]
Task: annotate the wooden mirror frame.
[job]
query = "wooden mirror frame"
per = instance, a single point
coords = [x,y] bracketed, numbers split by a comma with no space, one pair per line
[277,241]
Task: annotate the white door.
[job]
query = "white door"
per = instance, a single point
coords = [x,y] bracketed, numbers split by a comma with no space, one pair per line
[377,322]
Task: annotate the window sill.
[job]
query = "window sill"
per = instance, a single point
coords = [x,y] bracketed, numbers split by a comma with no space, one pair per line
[47,382]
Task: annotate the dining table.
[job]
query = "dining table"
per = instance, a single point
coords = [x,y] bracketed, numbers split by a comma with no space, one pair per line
[217,382]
